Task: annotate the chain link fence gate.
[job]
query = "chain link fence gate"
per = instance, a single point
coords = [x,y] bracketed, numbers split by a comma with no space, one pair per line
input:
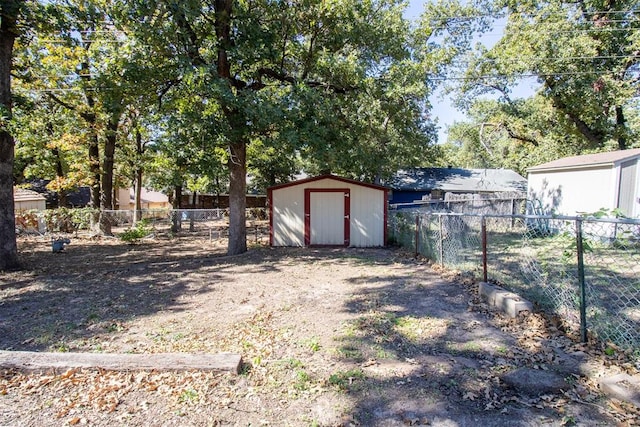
[540,258]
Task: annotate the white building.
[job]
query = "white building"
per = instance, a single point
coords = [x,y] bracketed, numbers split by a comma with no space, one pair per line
[586,184]
[327,211]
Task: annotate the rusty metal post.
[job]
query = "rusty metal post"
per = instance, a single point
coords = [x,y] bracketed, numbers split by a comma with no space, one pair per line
[483,230]
[441,241]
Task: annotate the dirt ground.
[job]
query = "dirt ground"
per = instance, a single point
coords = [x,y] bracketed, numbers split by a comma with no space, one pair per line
[329,337]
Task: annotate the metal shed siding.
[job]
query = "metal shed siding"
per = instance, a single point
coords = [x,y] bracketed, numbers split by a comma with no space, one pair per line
[629,193]
[367,208]
[568,192]
[367,217]
[287,217]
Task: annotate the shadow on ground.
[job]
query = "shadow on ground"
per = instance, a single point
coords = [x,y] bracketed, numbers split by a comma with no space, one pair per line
[425,354]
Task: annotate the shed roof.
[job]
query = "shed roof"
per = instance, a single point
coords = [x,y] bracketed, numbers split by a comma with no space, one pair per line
[326,176]
[22,195]
[148,196]
[610,158]
[458,180]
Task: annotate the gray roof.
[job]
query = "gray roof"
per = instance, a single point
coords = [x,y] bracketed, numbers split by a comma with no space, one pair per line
[588,160]
[458,180]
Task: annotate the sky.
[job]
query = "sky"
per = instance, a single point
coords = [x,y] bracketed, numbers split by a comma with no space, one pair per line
[442,108]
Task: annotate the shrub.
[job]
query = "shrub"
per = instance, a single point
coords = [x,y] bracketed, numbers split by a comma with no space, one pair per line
[139,231]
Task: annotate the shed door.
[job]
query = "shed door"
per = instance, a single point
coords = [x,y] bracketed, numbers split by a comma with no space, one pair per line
[327,217]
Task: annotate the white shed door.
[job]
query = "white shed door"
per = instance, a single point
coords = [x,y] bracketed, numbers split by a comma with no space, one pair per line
[327,218]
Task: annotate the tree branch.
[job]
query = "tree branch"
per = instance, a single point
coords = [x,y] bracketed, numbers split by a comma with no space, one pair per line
[61,102]
[281,77]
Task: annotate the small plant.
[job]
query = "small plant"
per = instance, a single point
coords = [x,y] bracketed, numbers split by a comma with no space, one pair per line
[294,363]
[302,380]
[312,344]
[344,379]
[188,396]
[139,231]
[62,347]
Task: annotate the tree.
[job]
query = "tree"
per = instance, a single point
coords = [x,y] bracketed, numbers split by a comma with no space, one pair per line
[10,15]
[585,57]
[246,58]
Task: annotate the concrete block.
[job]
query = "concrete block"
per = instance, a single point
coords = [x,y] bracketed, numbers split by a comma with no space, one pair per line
[622,387]
[513,307]
[488,292]
[510,303]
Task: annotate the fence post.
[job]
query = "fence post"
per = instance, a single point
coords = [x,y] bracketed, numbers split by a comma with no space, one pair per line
[483,227]
[417,235]
[441,237]
[583,296]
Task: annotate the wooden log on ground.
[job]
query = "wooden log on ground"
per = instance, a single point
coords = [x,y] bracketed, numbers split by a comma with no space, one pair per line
[37,361]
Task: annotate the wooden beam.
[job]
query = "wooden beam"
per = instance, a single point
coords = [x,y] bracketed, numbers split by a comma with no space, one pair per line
[37,361]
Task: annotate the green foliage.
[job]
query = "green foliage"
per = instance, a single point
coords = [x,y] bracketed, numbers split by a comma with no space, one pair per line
[605,213]
[68,220]
[345,380]
[137,232]
[584,63]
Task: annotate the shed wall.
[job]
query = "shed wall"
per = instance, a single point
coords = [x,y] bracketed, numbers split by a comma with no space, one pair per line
[366,220]
[569,192]
[629,195]
[25,205]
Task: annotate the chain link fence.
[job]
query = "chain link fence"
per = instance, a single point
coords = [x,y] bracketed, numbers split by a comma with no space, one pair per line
[585,270]
[177,223]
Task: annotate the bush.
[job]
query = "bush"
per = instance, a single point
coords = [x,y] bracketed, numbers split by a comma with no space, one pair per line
[66,220]
[139,231]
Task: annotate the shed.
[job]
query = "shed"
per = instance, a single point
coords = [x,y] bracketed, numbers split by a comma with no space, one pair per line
[417,184]
[587,183]
[27,200]
[327,210]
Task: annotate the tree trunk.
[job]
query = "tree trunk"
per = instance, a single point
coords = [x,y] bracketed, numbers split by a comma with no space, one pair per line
[237,199]
[138,175]
[138,195]
[8,34]
[621,128]
[176,220]
[62,193]
[106,201]
[238,149]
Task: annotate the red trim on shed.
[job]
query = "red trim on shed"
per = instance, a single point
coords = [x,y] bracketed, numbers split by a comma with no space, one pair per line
[386,209]
[307,212]
[327,176]
[270,202]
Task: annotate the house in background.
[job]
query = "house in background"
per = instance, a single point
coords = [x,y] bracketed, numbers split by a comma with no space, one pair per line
[327,211]
[586,184]
[148,199]
[413,187]
[25,200]
[77,198]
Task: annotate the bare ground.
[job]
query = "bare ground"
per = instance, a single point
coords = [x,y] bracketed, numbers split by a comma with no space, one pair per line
[329,337]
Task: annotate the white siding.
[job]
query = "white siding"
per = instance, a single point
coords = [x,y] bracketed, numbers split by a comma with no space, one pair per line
[367,207]
[25,205]
[629,195]
[367,217]
[288,216]
[327,218]
[570,192]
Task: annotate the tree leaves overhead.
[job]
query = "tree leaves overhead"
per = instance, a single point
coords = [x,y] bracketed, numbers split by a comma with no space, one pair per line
[583,56]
